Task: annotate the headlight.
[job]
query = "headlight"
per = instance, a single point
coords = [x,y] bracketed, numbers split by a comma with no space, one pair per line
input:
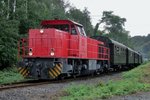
[52,53]
[41,30]
[30,52]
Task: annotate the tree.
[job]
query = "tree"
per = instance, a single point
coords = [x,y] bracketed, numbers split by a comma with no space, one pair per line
[8,43]
[114,27]
[3,9]
[141,44]
[82,17]
[87,23]
[113,23]
[18,16]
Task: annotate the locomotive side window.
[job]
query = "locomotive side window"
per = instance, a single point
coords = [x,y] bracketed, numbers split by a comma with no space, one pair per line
[102,50]
[107,51]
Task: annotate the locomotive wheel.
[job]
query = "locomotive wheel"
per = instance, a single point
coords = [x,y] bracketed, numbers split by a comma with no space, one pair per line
[74,76]
[97,72]
[61,77]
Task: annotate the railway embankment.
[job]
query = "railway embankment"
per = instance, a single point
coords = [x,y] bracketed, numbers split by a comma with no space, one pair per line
[129,85]
[133,81]
[10,75]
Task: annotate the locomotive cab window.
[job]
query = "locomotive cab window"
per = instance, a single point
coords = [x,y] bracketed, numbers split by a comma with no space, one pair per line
[73,30]
[63,27]
[81,31]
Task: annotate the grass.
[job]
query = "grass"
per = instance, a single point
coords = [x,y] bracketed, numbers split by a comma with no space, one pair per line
[10,75]
[137,79]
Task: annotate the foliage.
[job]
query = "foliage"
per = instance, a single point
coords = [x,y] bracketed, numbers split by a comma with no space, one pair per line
[18,16]
[142,44]
[131,82]
[82,17]
[114,27]
[10,75]
[8,43]
[113,23]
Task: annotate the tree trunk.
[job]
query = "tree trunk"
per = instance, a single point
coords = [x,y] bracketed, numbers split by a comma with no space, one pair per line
[14,10]
[26,9]
[7,17]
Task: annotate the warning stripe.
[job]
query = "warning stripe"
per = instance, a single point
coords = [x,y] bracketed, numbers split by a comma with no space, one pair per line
[58,67]
[51,74]
[58,72]
[54,73]
[24,72]
[19,68]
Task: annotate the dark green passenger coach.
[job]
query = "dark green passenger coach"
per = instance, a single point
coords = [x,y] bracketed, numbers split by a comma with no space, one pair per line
[120,55]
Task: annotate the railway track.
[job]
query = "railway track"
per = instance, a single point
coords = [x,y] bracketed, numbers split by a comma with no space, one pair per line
[22,84]
[38,83]
[43,82]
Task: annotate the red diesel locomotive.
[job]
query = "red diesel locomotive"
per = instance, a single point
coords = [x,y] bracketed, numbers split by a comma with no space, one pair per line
[59,49]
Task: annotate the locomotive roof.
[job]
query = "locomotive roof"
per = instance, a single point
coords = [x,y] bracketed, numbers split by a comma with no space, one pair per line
[60,22]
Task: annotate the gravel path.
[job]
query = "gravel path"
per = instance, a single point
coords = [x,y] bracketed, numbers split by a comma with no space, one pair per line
[44,92]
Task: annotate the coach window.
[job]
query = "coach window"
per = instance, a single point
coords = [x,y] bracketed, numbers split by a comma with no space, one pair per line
[131,54]
[102,50]
[117,49]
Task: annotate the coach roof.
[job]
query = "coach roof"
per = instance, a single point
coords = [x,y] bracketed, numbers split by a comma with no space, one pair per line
[117,43]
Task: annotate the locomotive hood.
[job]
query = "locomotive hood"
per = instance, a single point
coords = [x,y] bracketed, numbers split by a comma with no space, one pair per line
[45,42]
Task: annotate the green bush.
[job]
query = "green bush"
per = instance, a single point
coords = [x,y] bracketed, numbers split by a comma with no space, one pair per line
[8,43]
[10,75]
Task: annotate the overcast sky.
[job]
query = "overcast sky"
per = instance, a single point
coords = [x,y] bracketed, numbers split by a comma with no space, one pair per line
[137,12]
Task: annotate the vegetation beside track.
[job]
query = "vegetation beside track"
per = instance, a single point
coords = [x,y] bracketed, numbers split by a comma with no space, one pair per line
[137,79]
[10,75]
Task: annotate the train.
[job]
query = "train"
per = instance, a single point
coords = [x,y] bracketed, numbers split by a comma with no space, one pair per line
[61,48]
